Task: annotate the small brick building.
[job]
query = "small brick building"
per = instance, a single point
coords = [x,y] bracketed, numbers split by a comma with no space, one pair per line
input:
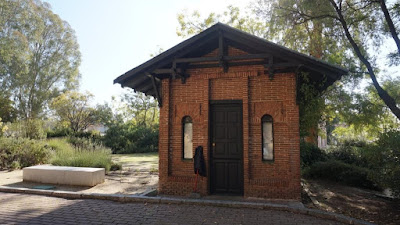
[236,95]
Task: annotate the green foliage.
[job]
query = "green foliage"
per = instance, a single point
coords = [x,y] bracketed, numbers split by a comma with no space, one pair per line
[102,114]
[39,55]
[338,171]
[350,152]
[192,23]
[15,165]
[20,153]
[127,137]
[59,144]
[356,29]
[384,159]
[86,140]
[65,155]
[3,127]
[73,108]
[142,109]
[136,129]
[365,114]
[86,158]
[32,129]
[310,154]
[7,111]
[58,132]
[311,105]
[371,165]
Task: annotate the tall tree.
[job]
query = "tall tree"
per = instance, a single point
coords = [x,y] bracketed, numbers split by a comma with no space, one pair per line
[193,23]
[39,55]
[142,108]
[103,114]
[359,22]
[358,46]
[73,108]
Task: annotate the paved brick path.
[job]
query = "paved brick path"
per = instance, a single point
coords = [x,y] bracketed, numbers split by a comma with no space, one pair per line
[36,209]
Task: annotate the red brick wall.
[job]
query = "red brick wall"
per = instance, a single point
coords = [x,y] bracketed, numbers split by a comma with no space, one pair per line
[279,179]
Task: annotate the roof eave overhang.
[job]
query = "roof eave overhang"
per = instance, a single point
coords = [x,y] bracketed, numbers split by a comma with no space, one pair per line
[140,77]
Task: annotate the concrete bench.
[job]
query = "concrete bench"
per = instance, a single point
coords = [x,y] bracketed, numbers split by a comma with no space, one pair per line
[82,176]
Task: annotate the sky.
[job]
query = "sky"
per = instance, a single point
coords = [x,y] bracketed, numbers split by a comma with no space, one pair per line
[118,35]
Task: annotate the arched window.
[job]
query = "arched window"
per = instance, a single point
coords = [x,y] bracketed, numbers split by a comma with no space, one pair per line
[187,136]
[267,137]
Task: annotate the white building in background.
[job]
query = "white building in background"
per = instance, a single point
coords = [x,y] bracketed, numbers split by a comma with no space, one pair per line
[101,128]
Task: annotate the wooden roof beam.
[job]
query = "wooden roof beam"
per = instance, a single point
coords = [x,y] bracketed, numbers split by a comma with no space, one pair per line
[156,91]
[222,52]
[226,58]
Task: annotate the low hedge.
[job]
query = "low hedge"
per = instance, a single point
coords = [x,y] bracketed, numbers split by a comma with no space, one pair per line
[64,154]
[22,152]
[338,171]
[310,154]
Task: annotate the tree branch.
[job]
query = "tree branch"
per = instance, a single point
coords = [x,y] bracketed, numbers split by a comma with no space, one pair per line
[306,17]
[390,23]
[389,101]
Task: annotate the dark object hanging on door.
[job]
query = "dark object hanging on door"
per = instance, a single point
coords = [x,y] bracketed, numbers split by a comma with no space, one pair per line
[199,163]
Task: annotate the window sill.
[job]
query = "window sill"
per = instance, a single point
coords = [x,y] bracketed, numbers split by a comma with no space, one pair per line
[268,161]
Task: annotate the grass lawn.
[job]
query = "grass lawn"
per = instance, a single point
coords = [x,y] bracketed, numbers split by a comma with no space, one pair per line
[144,162]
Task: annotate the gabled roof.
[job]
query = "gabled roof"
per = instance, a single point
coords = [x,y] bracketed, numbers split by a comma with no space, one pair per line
[142,78]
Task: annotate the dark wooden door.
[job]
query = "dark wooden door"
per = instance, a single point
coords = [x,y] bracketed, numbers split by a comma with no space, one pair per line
[226,148]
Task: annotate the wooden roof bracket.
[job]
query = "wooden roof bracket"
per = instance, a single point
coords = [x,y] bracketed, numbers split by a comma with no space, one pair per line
[174,69]
[298,84]
[179,72]
[270,68]
[182,74]
[221,52]
[156,90]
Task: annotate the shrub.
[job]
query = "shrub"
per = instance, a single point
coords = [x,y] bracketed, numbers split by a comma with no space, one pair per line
[355,143]
[349,154]
[65,154]
[3,127]
[58,132]
[86,140]
[340,172]
[20,153]
[384,159]
[32,129]
[85,158]
[310,154]
[126,138]
[59,145]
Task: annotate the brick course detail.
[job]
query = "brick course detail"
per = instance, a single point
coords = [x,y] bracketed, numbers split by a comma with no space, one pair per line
[278,179]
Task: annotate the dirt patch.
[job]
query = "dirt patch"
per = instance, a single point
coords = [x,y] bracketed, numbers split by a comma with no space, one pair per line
[139,174]
[354,202]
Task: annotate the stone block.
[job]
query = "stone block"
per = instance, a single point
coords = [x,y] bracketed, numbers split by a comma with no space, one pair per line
[80,176]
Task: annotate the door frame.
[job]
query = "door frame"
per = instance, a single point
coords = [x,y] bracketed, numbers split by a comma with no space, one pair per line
[210,133]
